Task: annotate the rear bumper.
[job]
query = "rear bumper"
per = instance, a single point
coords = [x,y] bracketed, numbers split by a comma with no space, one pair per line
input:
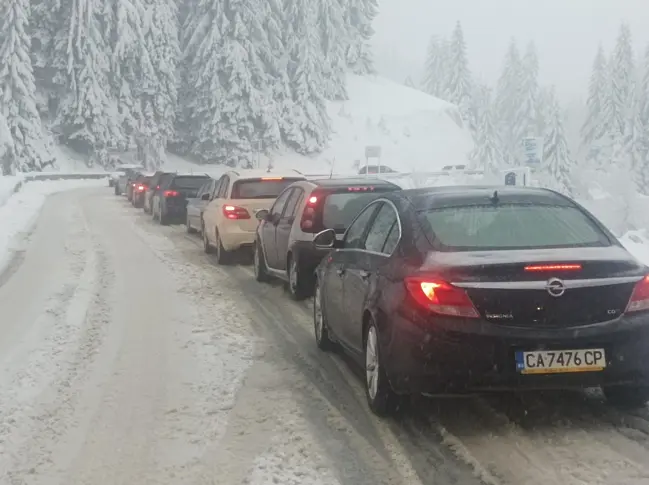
[443,360]
[234,238]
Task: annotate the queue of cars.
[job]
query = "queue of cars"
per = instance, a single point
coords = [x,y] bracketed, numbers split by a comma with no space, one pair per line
[440,290]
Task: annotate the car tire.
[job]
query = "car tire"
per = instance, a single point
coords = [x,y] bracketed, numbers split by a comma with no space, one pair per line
[381,398]
[259,263]
[320,326]
[223,257]
[297,281]
[207,247]
[629,397]
[190,229]
[163,219]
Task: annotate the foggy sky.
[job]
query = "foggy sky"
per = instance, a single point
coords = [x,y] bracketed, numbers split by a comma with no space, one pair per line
[566,33]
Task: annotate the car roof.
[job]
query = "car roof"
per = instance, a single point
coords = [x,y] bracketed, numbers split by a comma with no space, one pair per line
[257,173]
[453,195]
[351,181]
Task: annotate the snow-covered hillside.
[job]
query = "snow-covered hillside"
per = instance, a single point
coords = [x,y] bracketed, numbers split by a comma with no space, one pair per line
[416,131]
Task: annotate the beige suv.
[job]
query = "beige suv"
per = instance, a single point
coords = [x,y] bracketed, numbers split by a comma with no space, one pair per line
[229,223]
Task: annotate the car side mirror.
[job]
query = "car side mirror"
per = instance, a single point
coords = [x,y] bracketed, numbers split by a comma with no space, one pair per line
[262,215]
[205,197]
[325,239]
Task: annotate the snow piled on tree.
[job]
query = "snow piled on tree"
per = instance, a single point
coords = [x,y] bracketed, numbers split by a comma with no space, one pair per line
[416,132]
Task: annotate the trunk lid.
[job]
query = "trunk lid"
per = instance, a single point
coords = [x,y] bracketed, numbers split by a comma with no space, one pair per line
[543,288]
[252,206]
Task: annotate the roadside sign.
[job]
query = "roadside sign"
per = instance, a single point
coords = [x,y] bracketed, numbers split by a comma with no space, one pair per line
[533,149]
[372,151]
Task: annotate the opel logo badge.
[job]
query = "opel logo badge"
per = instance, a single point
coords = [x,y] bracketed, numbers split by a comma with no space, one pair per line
[555,287]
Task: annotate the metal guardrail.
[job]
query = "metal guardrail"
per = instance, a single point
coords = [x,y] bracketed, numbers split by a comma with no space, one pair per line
[32,177]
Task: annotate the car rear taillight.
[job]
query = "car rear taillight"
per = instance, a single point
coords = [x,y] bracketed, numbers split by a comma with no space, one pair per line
[553,267]
[171,193]
[639,300]
[308,216]
[235,213]
[441,297]
[141,188]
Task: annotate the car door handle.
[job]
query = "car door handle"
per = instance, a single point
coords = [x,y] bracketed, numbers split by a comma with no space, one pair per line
[340,272]
[364,274]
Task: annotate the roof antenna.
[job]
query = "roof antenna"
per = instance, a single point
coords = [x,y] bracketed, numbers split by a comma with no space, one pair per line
[494,198]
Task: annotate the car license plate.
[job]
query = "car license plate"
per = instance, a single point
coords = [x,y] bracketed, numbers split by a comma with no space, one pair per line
[560,361]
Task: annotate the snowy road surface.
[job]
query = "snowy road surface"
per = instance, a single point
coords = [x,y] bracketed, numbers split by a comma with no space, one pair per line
[128,357]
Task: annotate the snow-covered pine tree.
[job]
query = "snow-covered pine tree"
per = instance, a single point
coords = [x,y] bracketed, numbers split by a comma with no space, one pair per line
[621,72]
[435,70]
[332,40]
[486,154]
[6,148]
[638,138]
[248,111]
[44,22]
[161,41]
[458,88]
[529,110]
[199,121]
[129,59]
[507,102]
[358,16]
[595,126]
[276,68]
[557,160]
[18,90]
[85,118]
[305,76]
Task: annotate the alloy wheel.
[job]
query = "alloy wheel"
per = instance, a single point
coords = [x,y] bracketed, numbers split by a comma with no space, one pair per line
[372,363]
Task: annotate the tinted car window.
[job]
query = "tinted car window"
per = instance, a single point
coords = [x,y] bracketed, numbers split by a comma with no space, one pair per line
[393,239]
[189,182]
[354,237]
[259,188]
[340,209]
[380,229]
[279,204]
[507,226]
[292,203]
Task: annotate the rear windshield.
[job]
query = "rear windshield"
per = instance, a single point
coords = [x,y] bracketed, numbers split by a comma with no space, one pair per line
[339,209]
[189,182]
[511,226]
[260,188]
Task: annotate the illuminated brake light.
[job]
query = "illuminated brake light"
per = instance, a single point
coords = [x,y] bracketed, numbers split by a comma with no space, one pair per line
[553,267]
[171,193]
[313,200]
[140,188]
[235,213]
[360,189]
[639,300]
[272,178]
[441,297]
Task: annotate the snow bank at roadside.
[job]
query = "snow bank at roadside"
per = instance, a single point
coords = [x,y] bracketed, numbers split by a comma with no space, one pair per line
[8,186]
[20,210]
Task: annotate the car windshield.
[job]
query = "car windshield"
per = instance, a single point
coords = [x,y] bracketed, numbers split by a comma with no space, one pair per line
[511,226]
[260,188]
[189,182]
[340,209]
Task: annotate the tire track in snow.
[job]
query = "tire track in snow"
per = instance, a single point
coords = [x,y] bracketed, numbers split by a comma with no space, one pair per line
[40,374]
[416,457]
